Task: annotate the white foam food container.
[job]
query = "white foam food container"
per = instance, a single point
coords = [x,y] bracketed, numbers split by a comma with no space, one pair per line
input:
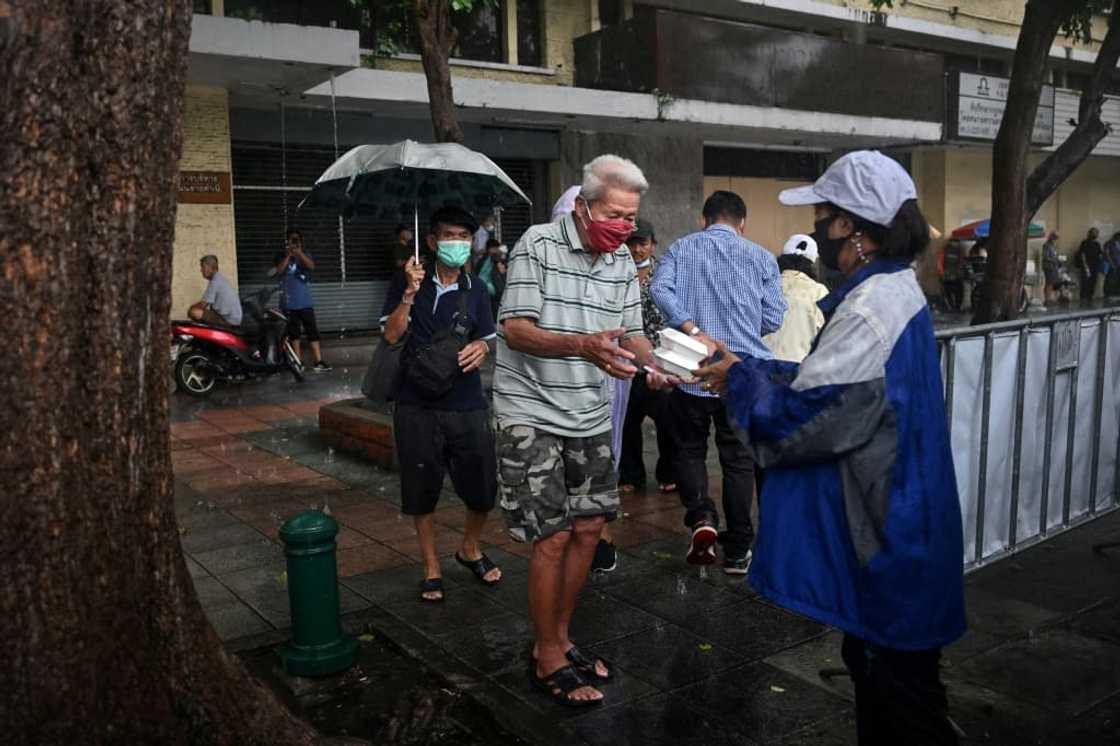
[671,339]
[675,363]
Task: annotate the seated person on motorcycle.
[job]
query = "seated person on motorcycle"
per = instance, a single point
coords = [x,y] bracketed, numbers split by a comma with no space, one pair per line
[219,304]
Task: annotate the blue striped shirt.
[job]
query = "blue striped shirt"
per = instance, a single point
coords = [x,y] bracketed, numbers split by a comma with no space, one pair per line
[728,286]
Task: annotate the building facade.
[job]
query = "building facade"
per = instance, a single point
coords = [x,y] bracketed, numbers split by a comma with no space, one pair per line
[750,95]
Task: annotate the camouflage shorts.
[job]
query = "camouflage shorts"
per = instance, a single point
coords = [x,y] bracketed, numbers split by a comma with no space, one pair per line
[545,481]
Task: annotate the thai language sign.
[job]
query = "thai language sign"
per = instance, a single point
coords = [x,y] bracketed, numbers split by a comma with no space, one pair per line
[980,102]
[204,187]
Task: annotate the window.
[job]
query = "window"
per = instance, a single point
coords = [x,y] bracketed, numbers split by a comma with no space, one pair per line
[529,33]
[481,33]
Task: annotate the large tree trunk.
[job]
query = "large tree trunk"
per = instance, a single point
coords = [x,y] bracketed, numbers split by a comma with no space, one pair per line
[437,39]
[1008,242]
[1088,132]
[104,640]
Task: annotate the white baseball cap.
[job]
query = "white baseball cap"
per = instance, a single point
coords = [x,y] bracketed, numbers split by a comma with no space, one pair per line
[865,183]
[801,245]
[566,203]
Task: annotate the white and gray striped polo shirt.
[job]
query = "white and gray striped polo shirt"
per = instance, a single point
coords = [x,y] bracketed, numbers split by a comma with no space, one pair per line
[568,290]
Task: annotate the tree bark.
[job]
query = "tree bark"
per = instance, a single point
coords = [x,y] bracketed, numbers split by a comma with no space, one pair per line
[1008,241]
[1088,132]
[437,39]
[104,638]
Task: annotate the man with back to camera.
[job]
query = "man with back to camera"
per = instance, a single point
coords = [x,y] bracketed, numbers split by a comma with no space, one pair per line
[717,284]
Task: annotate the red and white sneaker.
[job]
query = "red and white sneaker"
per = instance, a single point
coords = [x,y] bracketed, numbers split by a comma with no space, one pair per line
[701,550]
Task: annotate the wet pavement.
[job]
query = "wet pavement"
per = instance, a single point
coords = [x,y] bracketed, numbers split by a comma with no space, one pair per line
[700,658]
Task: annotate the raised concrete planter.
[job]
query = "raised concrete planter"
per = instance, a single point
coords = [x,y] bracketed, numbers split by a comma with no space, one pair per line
[353,427]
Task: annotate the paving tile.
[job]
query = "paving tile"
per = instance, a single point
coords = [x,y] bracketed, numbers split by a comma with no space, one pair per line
[225,482]
[203,517]
[667,656]
[671,520]
[989,717]
[995,619]
[677,596]
[303,423]
[398,528]
[761,702]
[282,474]
[342,468]
[808,659]
[448,541]
[371,510]
[194,430]
[628,532]
[835,731]
[267,412]
[754,629]
[1042,576]
[203,539]
[496,643]
[655,721]
[216,441]
[236,620]
[393,584]
[1101,725]
[240,557]
[287,443]
[1102,622]
[348,538]
[461,609]
[366,558]
[267,519]
[185,464]
[1080,671]
[211,592]
[196,570]
[600,617]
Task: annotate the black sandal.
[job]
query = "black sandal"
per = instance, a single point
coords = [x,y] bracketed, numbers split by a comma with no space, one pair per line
[479,567]
[431,585]
[560,684]
[585,664]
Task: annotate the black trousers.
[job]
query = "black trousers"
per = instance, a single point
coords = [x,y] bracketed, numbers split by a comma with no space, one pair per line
[1088,284]
[691,418]
[645,402]
[899,695]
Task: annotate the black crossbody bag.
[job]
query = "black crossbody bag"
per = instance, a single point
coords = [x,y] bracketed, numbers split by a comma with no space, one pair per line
[432,368]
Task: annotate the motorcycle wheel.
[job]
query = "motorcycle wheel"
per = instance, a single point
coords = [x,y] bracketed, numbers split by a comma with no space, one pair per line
[294,363]
[192,373]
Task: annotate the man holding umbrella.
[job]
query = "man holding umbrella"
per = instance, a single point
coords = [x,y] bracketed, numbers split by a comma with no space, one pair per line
[571,314]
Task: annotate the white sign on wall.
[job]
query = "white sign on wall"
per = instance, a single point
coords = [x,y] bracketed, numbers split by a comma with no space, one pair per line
[981,100]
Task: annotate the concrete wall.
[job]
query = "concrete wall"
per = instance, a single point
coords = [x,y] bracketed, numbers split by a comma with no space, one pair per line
[202,229]
[769,223]
[672,165]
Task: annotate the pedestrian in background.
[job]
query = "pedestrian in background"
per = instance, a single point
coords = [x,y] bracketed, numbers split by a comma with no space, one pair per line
[1111,251]
[860,517]
[492,272]
[1088,262]
[803,319]
[717,284]
[644,401]
[441,420]
[295,266]
[403,247]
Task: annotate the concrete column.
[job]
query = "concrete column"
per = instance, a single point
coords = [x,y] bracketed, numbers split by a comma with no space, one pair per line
[217,7]
[593,9]
[510,10]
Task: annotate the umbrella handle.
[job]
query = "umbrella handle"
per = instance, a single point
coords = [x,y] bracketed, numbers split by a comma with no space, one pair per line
[416,232]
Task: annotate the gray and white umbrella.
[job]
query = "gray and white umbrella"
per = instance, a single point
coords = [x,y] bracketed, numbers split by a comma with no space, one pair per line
[379,180]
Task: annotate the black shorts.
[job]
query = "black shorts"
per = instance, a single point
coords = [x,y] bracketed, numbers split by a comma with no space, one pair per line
[297,320]
[432,442]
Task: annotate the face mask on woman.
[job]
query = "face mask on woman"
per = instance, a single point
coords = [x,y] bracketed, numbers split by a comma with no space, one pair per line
[829,248]
[604,236]
[454,254]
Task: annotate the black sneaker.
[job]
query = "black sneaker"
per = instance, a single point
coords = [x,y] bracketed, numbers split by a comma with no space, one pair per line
[321,367]
[737,565]
[701,549]
[606,557]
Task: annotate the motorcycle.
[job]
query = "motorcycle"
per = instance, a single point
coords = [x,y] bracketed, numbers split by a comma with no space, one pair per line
[204,355]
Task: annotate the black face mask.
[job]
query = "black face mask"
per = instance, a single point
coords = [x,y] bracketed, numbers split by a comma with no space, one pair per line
[829,248]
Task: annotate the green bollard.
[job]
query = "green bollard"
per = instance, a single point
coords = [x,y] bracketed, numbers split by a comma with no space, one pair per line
[317,647]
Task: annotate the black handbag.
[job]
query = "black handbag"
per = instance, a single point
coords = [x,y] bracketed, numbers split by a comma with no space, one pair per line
[433,368]
[381,376]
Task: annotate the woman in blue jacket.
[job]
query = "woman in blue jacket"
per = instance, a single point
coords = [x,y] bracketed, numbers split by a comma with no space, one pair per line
[860,524]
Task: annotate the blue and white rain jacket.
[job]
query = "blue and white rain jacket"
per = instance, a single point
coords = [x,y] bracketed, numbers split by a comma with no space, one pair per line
[859,523]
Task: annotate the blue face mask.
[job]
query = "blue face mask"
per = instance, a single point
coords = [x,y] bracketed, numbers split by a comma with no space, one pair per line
[454,254]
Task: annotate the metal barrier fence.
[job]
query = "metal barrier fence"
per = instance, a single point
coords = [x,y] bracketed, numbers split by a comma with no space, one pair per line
[1034,417]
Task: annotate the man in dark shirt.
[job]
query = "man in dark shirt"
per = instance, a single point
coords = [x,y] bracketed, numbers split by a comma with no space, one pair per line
[450,433]
[1089,263]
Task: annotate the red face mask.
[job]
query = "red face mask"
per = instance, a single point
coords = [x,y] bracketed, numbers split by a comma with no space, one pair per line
[605,236]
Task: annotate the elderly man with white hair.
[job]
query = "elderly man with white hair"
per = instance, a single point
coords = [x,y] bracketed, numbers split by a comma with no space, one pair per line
[571,313]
